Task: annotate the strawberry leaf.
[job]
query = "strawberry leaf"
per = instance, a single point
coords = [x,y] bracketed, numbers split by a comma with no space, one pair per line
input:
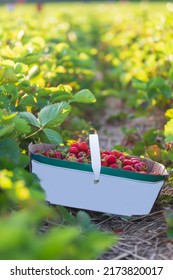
[7,76]
[9,150]
[55,114]
[21,125]
[168,132]
[84,96]
[53,136]
[154,152]
[30,118]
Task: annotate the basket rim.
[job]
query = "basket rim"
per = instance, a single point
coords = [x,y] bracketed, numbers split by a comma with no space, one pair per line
[104,170]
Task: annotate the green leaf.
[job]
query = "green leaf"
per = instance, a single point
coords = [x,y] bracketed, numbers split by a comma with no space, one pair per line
[4,101]
[21,125]
[158,84]
[53,136]
[169,218]
[166,91]
[9,150]
[30,118]
[24,161]
[27,100]
[168,131]
[154,152]
[149,137]
[55,114]
[6,130]
[84,221]
[170,154]
[66,215]
[18,68]
[139,84]
[138,149]
[84,96]
[7,76]
[29,58]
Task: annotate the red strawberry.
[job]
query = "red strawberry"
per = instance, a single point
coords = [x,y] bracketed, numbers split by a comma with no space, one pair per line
[104,162]
[73,150]
[80,159]
[122,157]
[75,144]
[47,152]
[128,157]
[140,166]
[58,155]
[135,161]
[82,146]
[129,168]
[127,162]
[104,153]
[110,159]
[116,153]
[114,165]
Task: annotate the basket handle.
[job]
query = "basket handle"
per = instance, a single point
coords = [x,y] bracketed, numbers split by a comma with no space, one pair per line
[95,156]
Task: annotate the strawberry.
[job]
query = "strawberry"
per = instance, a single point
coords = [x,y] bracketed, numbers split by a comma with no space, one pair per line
[58,155]
[140,166]
[110,159]
[75,144]
[127,157]
[104,162]
[82,146]
[116,153]
[88,152]
[114,165]
[47,152]
[127,162]
[135,161]
[129,168]
[104,153]
[80,159]
[73,150]
[122,157]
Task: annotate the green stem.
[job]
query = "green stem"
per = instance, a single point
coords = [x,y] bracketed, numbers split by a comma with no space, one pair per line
[40,129]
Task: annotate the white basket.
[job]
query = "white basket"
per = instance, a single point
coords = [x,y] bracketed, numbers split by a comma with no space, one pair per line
[92,187]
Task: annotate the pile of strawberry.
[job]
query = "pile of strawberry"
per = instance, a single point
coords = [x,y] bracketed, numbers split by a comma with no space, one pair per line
[80,152]
[119,160]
